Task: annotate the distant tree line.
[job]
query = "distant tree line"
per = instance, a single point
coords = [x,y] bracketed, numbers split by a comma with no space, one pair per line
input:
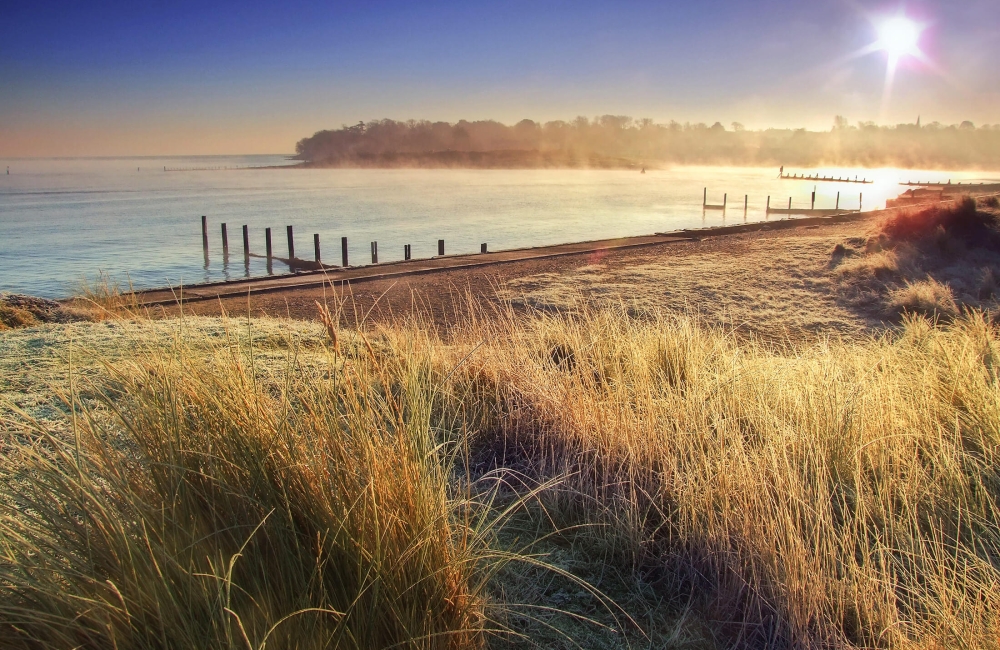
[620,141]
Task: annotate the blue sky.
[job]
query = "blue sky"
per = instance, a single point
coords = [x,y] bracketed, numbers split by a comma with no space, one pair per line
[106,78]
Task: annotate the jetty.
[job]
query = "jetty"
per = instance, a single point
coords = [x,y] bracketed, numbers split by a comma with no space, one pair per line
[822,179]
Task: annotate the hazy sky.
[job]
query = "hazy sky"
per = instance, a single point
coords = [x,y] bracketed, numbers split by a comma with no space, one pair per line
[179,77]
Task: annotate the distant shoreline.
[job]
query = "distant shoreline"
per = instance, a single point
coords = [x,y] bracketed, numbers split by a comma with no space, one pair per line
[500,159]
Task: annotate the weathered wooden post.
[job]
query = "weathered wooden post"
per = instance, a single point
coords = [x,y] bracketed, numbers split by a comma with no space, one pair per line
[704,198]
[267,242]
[316,246]
[291,244]
[725,198]
[767,210]
[837,207]
[860,194]
[225,241]
[406,252]
[440,247]
[246,243]
[343,251]
[204,234]
[482,248]
[789,204]
[746,203]
[374,252]
[812,206]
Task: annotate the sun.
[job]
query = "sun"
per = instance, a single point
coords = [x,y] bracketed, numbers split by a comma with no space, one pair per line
[899,36]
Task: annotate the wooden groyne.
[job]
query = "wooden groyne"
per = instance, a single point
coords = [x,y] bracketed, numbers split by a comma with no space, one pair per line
[826,179]
[812,210]
[705,205]
[296,264]
[957,187]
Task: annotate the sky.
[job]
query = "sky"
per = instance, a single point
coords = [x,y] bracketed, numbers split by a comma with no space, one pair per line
[181,77]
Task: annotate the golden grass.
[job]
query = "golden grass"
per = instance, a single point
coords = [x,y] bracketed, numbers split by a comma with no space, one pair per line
[837,494]
[824,494]
[928,297]
[105,299]
[15,317]
[216,505]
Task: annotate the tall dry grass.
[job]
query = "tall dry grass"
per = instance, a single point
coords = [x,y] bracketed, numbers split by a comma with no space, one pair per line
[219,504]
[832,494]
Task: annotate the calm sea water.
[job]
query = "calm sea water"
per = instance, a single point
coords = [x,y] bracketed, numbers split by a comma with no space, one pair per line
[66,220]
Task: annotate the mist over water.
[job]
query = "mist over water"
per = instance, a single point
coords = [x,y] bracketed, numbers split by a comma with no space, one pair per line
[65,220]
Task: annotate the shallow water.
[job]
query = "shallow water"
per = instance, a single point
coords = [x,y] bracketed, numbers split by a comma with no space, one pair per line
[63,221]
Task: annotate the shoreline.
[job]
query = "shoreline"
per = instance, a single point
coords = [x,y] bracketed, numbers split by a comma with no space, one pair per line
[336,275]
[308,276]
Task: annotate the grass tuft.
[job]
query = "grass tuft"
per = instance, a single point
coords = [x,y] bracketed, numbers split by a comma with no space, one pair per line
[926,297]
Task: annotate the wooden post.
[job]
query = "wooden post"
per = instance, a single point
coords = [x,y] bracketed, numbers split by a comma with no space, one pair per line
[291,243]
[267,242]
[704,197]
[225,241]
[343,251]
[812,206]
[204,233]
[746,202]
[768,208]
[724,198]
[374,252]
[246,242]
[316,246]
[440,247]
[406,251]
[789,203]
[482,248]
[837,207]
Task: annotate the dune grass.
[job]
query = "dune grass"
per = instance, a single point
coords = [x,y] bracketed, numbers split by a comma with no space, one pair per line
[839,494]
[823,494]
[935,261]
[214,503]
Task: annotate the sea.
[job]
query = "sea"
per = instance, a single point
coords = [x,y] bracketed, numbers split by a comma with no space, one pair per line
[138,221]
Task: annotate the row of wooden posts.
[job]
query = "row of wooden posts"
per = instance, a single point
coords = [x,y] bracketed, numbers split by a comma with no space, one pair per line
[705,205]
[269,249]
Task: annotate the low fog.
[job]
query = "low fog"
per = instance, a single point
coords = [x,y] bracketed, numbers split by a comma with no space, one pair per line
[611,141]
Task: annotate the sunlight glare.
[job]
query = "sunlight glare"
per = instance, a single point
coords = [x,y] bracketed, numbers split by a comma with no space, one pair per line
[899,37]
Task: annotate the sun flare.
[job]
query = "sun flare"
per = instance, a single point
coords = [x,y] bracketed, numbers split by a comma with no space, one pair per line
[899,36]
